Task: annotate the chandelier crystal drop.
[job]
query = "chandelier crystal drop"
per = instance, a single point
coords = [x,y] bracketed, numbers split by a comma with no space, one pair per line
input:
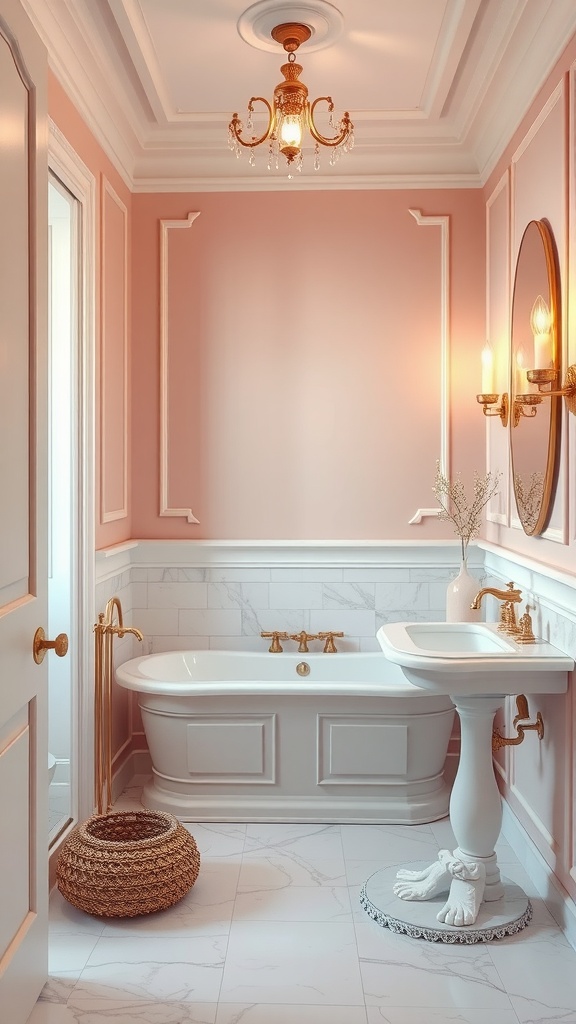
[290,114]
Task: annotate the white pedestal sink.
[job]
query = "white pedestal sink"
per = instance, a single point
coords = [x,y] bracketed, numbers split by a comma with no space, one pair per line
[477,667]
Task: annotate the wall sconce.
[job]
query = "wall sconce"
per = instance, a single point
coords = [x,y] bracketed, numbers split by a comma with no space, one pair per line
[545,374]
[488,398]
[544,378]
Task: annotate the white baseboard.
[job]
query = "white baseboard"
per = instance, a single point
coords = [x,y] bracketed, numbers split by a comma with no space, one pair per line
[138,762]
[559,903]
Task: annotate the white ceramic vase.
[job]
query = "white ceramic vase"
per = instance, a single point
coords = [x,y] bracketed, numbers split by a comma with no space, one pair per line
[459,596]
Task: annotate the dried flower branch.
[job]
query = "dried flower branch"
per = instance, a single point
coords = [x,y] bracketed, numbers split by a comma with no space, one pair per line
[465,515]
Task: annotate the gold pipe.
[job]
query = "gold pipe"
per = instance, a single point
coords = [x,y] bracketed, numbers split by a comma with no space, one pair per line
[521,725]
[104,631]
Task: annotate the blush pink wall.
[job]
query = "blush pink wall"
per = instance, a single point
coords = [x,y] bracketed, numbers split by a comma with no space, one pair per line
[303,361]
[109,398]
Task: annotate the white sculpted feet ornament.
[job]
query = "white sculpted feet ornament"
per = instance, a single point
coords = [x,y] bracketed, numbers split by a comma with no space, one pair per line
[464,877]
[466,892]
[425,884]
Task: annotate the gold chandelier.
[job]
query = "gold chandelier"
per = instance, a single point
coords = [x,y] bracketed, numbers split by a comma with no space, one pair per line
[291,113]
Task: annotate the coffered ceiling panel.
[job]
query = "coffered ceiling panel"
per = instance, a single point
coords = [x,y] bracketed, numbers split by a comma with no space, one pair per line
[435,88]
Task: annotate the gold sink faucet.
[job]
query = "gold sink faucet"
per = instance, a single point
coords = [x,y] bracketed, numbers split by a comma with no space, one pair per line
[509,597]
[512,595]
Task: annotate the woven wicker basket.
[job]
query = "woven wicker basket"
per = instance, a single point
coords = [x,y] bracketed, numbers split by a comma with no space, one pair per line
[127,863]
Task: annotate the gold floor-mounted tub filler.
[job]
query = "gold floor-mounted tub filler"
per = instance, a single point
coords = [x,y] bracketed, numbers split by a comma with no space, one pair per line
[104,632]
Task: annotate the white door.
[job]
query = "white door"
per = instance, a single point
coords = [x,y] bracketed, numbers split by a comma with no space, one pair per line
[23,504]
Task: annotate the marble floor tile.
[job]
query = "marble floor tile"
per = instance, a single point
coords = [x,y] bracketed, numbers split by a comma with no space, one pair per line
[69,951]
[59,986]
[183,969]
[306,903]
[106,1011]
[286,962]
[272,932]
[413,1015]
[540,976]
[400,971]
[388,843]
[217,840]
[275,1013]
[311,857]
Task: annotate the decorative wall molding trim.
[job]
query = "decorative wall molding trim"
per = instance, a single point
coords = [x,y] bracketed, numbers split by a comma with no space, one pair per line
[107,437]
[537,823]
[293,554]
[555,98]
[165,508]
[493,436]
[555,588]
[443,222]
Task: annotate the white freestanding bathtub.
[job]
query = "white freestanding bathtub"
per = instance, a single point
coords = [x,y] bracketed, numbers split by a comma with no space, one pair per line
[237,736]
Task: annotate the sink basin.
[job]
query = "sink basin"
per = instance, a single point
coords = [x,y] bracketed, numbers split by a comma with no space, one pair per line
[466,658]
[455,639]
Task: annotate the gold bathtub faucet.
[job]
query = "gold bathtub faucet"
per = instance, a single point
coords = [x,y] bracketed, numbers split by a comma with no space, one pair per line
[303,637]
[329,645]
[276,636]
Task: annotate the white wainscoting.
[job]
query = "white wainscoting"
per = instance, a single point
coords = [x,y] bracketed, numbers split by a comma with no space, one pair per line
[229,591]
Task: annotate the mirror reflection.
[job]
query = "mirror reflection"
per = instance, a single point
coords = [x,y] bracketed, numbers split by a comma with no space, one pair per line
[534,416]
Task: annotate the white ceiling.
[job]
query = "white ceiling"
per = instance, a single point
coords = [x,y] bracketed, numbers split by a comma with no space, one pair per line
[435,88]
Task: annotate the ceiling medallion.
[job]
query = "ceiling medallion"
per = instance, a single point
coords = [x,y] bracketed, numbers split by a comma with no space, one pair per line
[323,19]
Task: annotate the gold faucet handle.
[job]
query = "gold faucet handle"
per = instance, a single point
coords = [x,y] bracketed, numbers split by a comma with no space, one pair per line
[329,646]
[276,636]
[526,633]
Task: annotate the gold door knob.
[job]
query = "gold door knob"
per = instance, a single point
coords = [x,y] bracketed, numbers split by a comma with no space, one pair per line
[41,645]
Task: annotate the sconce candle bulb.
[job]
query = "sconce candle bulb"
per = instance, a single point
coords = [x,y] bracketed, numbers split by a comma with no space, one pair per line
[488,398]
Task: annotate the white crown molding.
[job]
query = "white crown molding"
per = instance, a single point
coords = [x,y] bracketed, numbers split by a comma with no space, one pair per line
[318,183]
[545,28]
[88,80]
[453,139]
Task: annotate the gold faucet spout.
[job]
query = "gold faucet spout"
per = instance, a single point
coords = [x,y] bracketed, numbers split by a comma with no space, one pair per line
[512,594]
[131,629]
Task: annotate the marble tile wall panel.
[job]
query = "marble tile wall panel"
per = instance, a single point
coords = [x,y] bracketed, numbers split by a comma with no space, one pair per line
[228,608]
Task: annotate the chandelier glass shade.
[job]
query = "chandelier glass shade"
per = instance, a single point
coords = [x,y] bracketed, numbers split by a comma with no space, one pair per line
[291,114]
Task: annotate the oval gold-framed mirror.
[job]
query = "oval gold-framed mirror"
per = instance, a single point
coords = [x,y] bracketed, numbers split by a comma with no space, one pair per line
[535,344]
